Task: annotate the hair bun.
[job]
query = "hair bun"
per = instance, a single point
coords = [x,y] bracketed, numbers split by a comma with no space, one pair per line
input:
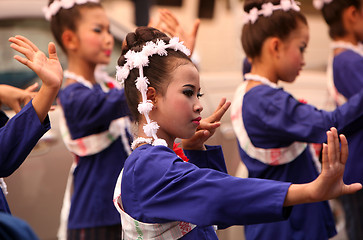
[136,40]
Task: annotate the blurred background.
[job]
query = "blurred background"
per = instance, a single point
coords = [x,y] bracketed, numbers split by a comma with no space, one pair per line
[36,189]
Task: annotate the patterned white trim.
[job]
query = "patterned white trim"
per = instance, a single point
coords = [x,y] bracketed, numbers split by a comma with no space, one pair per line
[272,156]
[133,229]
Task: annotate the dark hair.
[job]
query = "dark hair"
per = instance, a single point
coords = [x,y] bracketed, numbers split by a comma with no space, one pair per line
[280,24]
[333,15]
[159,67]
[67,19]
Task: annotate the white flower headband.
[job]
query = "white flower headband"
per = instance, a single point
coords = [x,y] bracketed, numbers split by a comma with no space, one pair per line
[140,60]
[53,8]
[268,8]
[319,4]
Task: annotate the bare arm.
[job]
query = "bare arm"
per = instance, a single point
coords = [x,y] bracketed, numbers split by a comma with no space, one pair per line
[49,71]
[329,183]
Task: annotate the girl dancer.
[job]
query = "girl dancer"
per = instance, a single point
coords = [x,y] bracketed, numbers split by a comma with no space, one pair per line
[160,196]
[345,72]
[272,127]
[19,135]
[94,128]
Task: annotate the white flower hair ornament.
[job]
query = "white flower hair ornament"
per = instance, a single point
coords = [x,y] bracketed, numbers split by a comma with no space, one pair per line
[319,4]
[140,60]
[55,6]
[267,10]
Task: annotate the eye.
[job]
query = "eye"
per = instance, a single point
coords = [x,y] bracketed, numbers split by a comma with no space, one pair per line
[199,95]
[97,30]
[302,49]
[188,92]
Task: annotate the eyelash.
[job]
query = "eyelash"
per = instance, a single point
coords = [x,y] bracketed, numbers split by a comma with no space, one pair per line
[189,93]
[302,49]
[97,30]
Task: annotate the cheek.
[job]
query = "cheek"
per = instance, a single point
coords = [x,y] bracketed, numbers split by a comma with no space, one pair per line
[180,105]
[91,41]
[296,57]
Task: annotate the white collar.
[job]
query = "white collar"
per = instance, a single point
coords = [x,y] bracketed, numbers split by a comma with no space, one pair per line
[258,78]
[347,45]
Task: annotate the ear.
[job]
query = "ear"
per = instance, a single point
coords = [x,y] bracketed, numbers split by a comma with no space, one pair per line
[151,94]
[70,40]
[350,15]
[274,45]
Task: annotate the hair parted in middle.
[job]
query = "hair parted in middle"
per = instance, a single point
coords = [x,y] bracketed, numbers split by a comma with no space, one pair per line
[158,70]
[279,24]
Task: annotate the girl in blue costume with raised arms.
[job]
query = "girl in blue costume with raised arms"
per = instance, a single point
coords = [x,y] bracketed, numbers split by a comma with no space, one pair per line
[273,128]
[160,196]
[345,75]
[96,123]
[20,134]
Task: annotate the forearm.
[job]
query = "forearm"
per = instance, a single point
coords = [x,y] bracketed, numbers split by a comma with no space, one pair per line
[297,194]
[42,102]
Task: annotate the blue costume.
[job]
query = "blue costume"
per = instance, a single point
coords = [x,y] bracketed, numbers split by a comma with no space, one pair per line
[348,80]
[158,187]
[274,119]
[89,111]
[13,228]
[17,138]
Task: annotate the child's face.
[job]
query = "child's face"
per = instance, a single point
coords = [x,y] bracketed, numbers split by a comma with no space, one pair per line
[178,111]
[95,40]
[291,58]
[358,28]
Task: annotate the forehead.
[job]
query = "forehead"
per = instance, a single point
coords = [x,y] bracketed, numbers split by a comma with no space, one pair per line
[301,33]
[185,73]
[93,15]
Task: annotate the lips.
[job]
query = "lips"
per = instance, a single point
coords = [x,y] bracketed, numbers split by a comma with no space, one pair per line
[108,52]
[197,120]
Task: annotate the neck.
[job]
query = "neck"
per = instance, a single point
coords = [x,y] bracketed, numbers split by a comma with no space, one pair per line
[169,140]
[348,38]
[82,68]
[266,71]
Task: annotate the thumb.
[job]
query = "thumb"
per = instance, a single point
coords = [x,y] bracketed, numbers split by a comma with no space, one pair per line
[352,188]
[195,27]
[32,87]
[52,51]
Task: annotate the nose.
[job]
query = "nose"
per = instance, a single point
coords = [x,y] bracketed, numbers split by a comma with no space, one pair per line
[198,107]
[303,62]
[109,39]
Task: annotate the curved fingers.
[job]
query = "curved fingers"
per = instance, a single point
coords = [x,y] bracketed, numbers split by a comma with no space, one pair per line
[28,42]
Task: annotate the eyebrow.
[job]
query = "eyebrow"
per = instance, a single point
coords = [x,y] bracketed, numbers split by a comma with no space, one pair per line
[191,85]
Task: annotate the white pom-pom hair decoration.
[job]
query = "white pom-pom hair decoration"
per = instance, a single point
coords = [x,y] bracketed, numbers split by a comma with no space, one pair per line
[139,60]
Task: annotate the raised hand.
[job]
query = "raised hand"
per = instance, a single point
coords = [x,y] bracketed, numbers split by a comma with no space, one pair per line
[330,182]
[169,24]
[49,69]
[207,127]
